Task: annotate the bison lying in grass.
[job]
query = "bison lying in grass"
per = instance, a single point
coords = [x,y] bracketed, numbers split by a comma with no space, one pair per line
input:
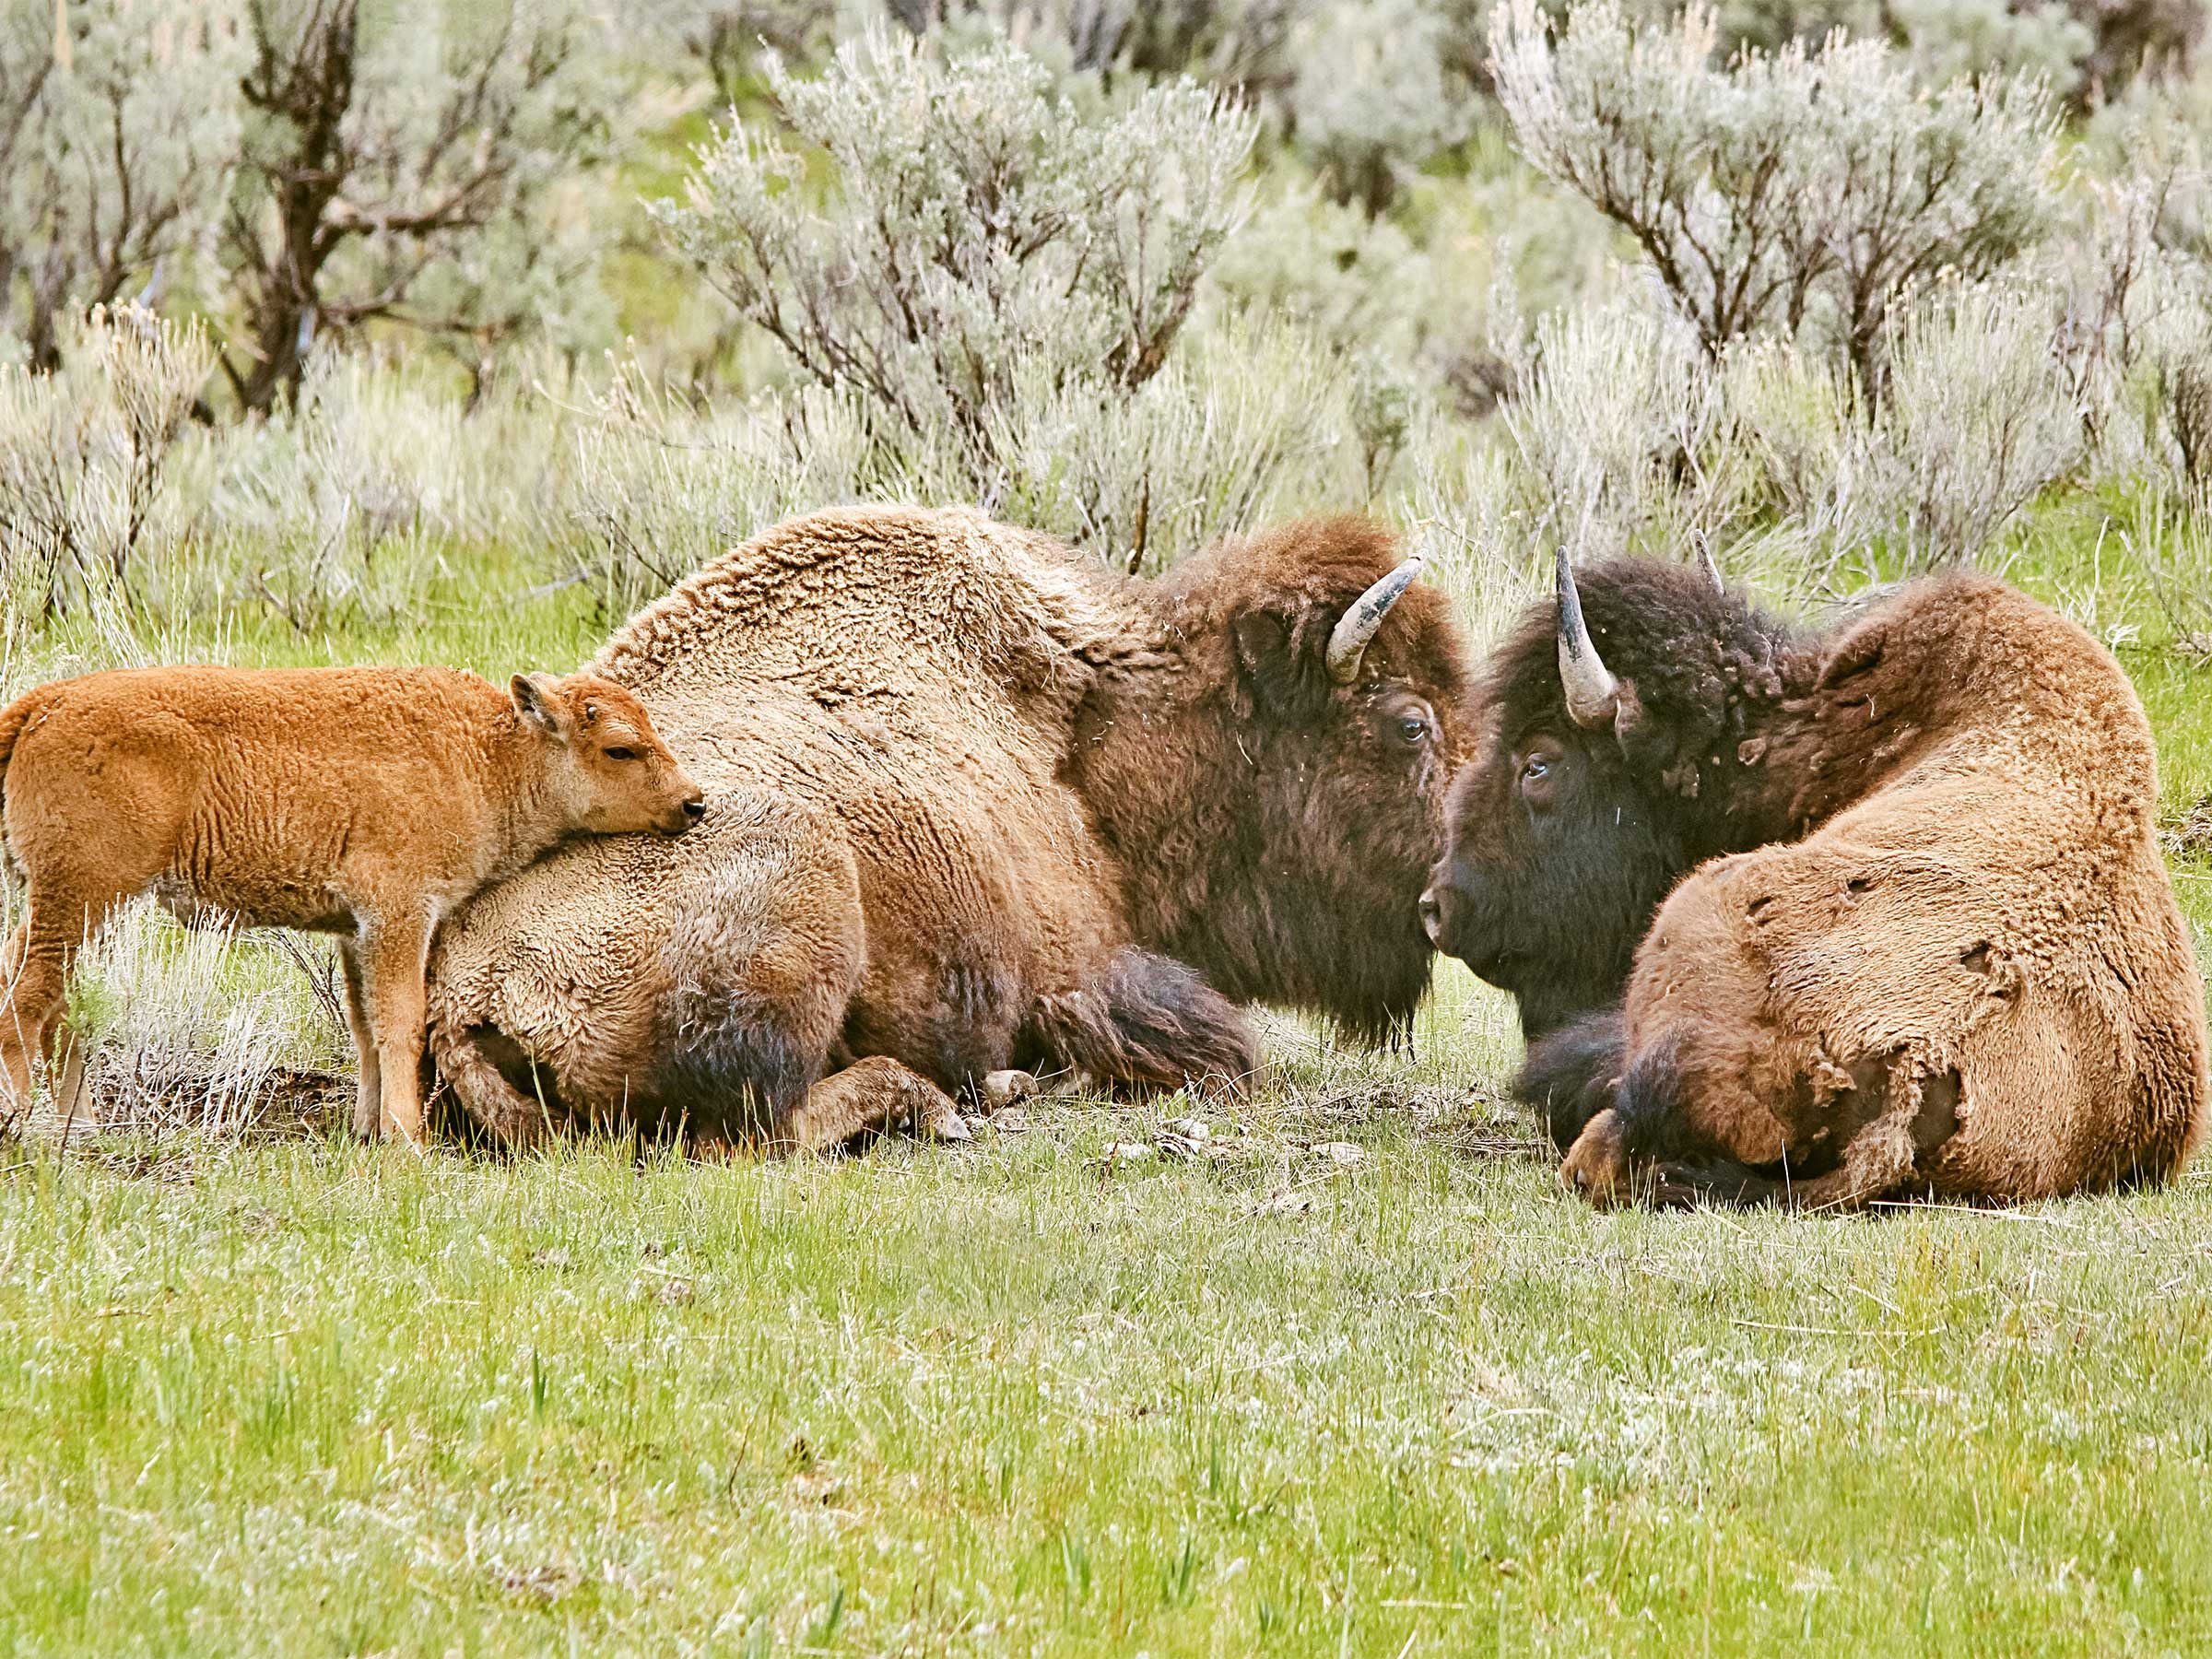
[364,802]
[1954,963]
[976,806]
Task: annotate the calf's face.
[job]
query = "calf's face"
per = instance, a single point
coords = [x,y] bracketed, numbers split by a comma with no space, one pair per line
[603,761]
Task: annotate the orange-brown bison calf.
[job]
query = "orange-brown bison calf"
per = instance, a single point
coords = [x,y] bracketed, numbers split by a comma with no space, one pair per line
[363,802]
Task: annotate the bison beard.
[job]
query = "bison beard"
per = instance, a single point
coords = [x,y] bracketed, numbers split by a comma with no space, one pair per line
[1955,964]
[975,806]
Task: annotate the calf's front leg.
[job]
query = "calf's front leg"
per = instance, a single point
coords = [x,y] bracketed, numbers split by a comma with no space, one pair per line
[368,1096]
[395,954]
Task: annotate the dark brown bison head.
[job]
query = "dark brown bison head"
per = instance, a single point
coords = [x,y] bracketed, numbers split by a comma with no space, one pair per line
[1274,779]
[1620,731]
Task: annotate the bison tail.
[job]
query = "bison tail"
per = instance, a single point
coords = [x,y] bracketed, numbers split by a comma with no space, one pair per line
[1575,1072]
[1146,1019]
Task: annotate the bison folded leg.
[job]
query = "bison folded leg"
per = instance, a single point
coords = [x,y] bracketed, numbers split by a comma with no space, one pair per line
[1685,1184]
[1572,1075]
[1150,1021]
[1598,1165]
[876,1093]
[1878,1163]
[512,1118]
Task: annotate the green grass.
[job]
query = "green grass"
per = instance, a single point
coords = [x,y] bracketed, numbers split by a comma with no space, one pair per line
[297,1396]
[306,1397]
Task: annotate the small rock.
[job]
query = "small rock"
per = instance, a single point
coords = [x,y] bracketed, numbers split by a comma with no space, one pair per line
[1001,1090]
[555,1257]
[952,1127]
[1290,1201]
[673,1292]
[1130,1152]
[1342,1153]
[1190,1129]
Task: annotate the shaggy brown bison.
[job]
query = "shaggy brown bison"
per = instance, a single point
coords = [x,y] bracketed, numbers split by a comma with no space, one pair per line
[976,804]
[1954,964]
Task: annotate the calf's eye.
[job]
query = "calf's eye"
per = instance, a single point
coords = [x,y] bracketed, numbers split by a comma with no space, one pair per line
[1413,729]
[621,754]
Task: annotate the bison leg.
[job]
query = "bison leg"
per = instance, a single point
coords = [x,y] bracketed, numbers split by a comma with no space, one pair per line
[874,1093]
[1572,1075]
[1598,1165]
[1878,1162]
[515,1120]
[1145,1019]
[367,1095]
[39,957]
[396,950]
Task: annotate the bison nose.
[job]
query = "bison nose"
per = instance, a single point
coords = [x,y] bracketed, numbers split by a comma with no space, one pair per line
[695,808]
[1432,917]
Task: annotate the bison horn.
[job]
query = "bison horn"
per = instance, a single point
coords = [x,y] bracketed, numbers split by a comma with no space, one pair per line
[1593,694]
[1710,566]
[1348,640]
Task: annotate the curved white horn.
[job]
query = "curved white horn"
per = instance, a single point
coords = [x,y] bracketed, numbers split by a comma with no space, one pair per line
[1593,694]
[1707,563]
[1348,640]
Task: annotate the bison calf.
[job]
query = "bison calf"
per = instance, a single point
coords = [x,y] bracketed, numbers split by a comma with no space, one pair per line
[363,802]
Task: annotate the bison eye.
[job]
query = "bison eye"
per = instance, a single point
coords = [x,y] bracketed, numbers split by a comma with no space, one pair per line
[1413,729]
[621,754]
[1537,769]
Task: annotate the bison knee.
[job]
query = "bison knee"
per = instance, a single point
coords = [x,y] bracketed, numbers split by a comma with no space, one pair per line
[1570,1077]
[871,1094]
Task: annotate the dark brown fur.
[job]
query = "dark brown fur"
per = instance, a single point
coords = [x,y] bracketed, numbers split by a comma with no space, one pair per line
[1959,970]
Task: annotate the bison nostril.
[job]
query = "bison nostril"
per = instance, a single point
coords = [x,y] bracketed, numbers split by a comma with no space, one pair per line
[695,810]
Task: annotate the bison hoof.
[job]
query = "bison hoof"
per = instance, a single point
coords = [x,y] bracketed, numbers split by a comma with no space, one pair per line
[1597,1167]
[1001,1090]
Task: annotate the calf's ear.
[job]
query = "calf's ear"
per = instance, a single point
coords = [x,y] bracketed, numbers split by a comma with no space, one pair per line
[537,701]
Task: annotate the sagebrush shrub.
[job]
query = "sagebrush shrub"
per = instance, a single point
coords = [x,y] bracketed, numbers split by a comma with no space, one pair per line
[1978,421]
[86,452]
[1374,94]
[119,129]
[1793,192]
[972,221]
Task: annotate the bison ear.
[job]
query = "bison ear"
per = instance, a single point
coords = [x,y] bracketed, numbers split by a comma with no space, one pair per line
[537,701]
[1857,652]
[1283,680]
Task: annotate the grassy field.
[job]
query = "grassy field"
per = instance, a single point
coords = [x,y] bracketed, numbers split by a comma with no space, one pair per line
[1342,1372]
[1364,1382]
[1351,1378]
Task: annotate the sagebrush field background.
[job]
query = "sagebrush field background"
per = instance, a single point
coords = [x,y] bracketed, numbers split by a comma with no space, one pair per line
[340,331]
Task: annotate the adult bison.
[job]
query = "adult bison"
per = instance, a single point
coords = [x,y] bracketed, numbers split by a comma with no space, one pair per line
[976,804]
[1953,964]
